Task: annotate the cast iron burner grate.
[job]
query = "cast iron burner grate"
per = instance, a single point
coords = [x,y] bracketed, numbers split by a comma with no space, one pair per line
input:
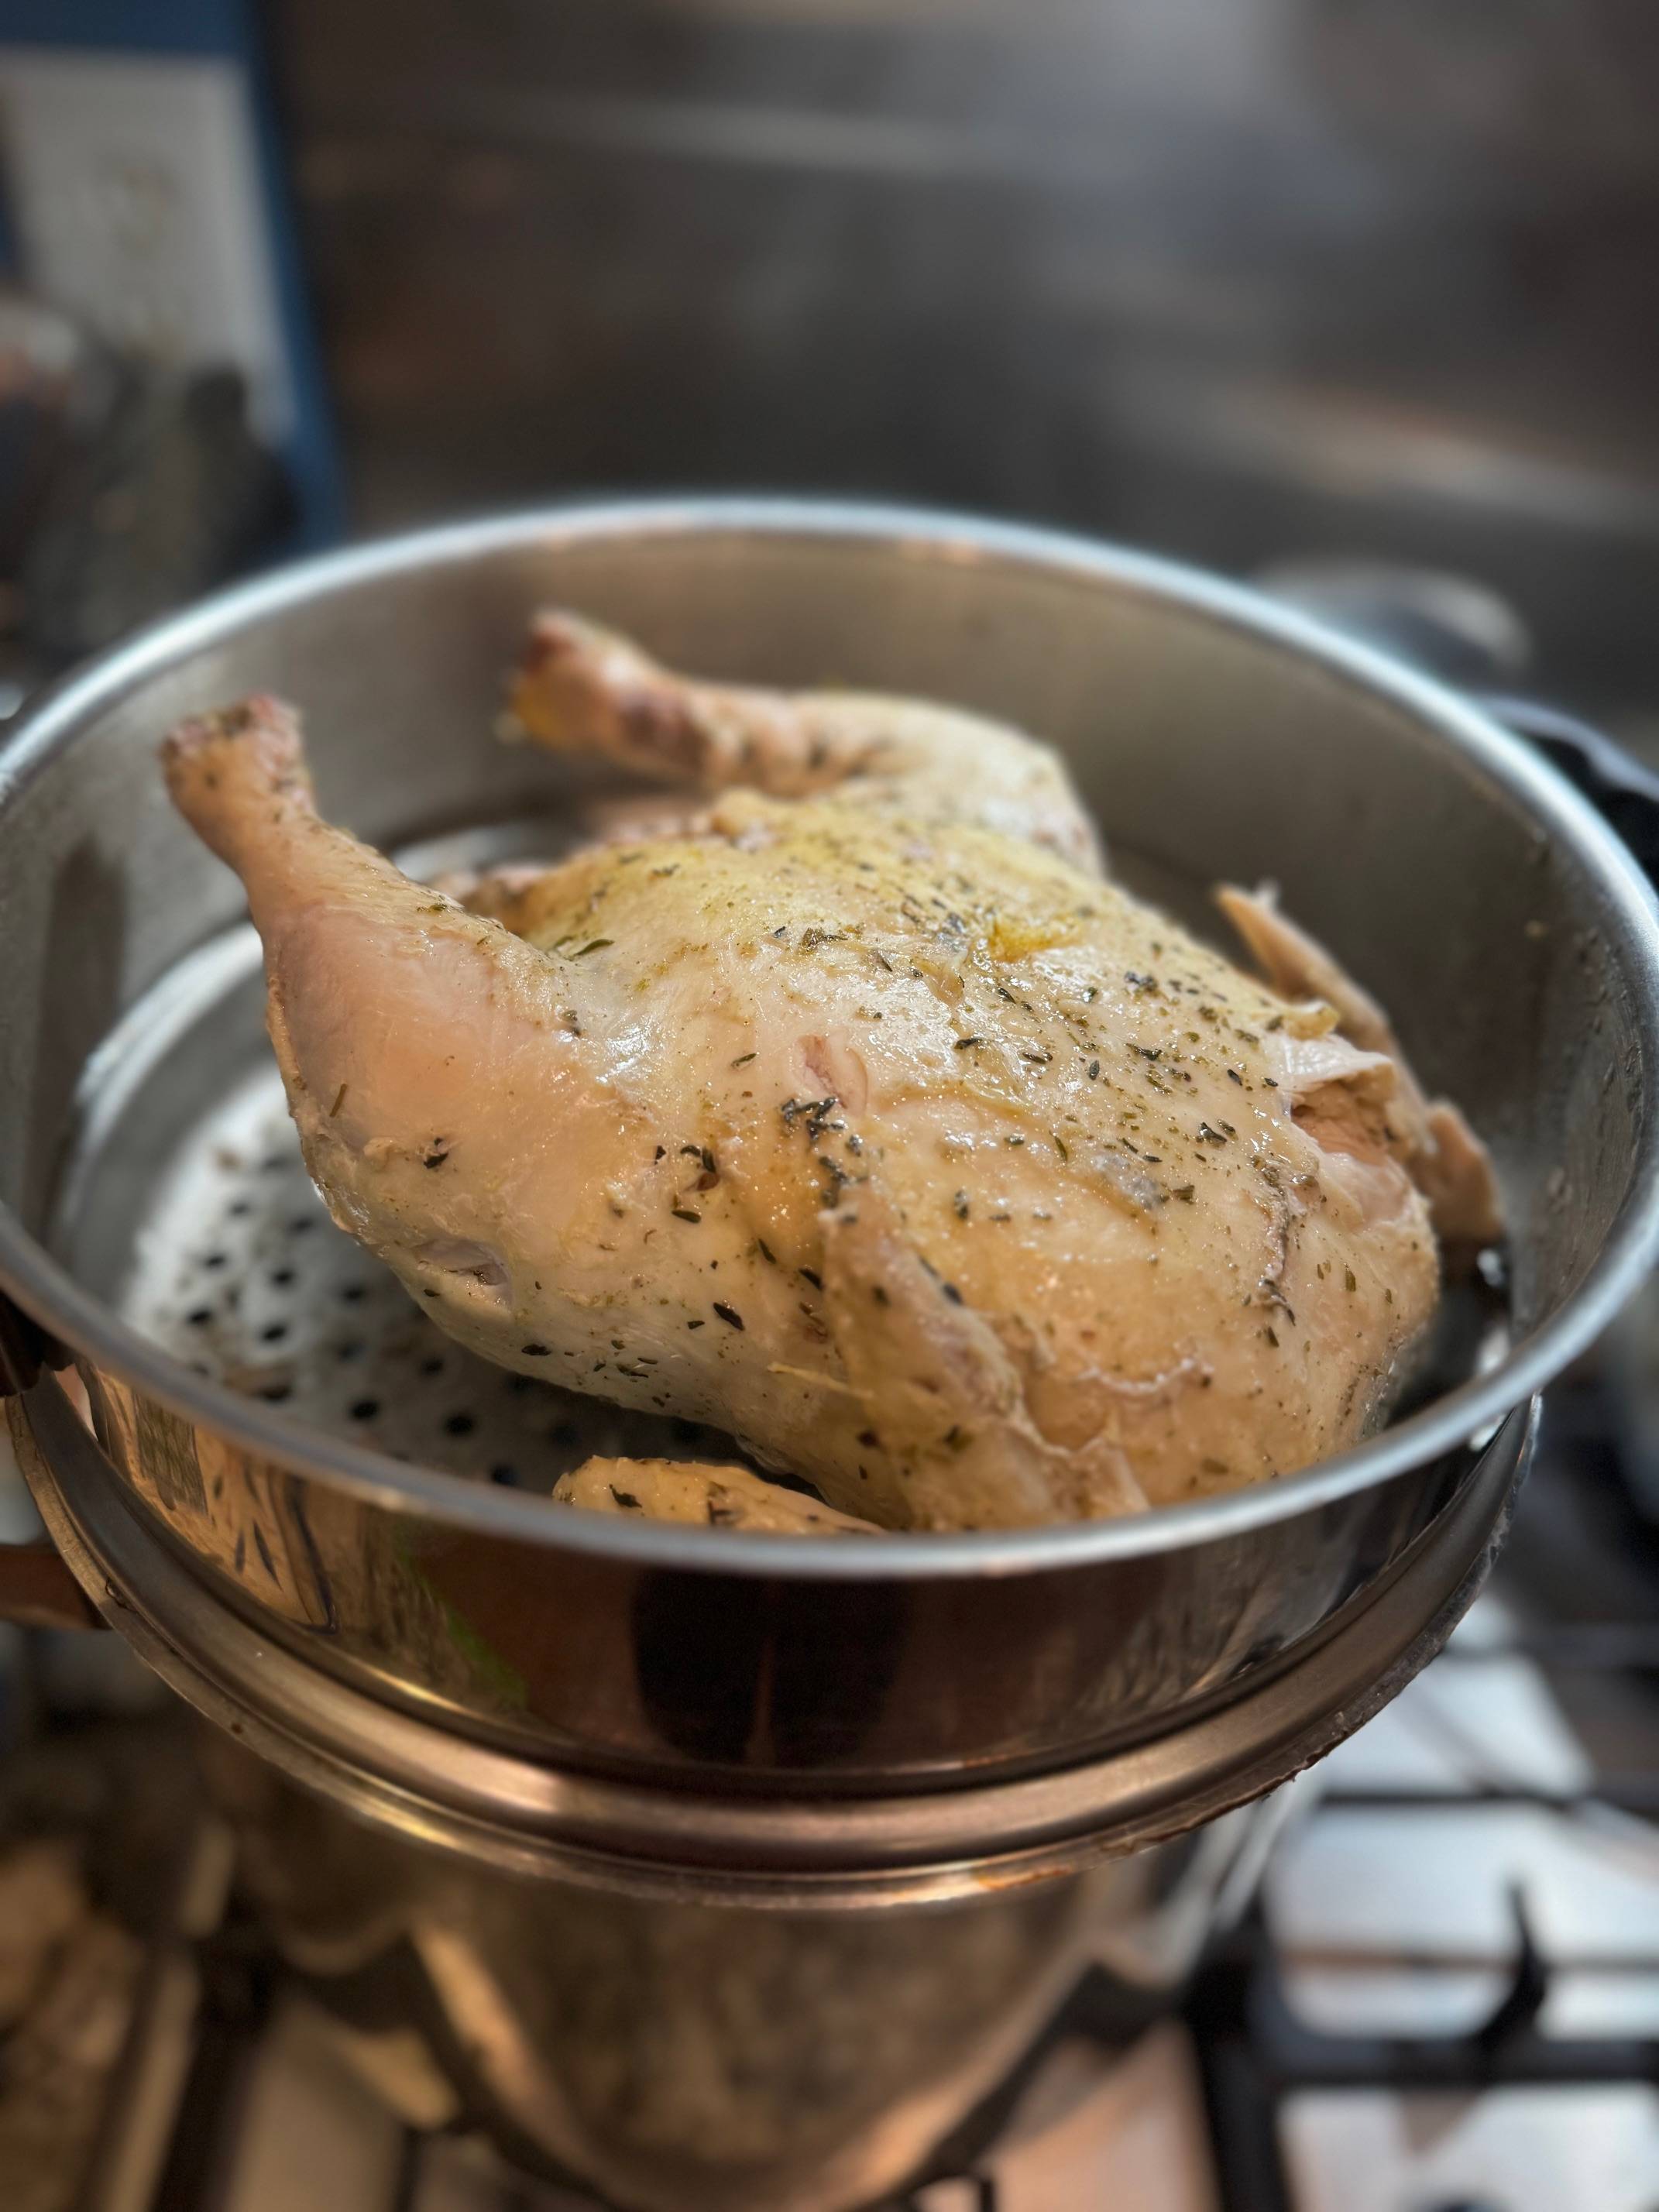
[1255,2051]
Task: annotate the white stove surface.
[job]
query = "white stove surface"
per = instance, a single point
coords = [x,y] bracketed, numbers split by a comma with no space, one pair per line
[1513,2150]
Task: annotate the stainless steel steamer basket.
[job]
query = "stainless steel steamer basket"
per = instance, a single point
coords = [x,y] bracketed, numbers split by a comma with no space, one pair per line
[659,1706]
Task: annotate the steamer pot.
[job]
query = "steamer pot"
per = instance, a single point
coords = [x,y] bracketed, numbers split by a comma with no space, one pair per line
[652,1707]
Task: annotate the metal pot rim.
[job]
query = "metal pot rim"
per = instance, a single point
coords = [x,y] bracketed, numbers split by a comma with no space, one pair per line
[48,1292]
[789,1848]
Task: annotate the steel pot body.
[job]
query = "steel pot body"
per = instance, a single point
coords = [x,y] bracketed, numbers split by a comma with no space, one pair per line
[1215,737]
[682,2055]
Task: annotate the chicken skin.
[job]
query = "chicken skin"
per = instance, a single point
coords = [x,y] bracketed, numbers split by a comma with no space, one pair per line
[714,1496]
[855,1112]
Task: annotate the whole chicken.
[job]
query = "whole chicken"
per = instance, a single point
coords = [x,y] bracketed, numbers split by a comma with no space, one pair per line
[853,1112]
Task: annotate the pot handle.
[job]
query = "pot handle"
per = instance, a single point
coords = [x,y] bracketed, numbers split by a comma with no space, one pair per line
[37,1590]
[1472,639]
[1622,789]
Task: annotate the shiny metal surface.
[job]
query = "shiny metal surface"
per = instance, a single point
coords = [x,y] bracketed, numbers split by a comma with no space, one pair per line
[680,2057]
[785,1848]
[1215,736]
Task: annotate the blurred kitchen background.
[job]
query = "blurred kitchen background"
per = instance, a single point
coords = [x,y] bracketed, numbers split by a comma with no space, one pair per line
[1261,282]
[1239,279]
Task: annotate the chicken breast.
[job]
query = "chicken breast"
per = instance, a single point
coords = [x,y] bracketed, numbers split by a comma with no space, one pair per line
[855,1113]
